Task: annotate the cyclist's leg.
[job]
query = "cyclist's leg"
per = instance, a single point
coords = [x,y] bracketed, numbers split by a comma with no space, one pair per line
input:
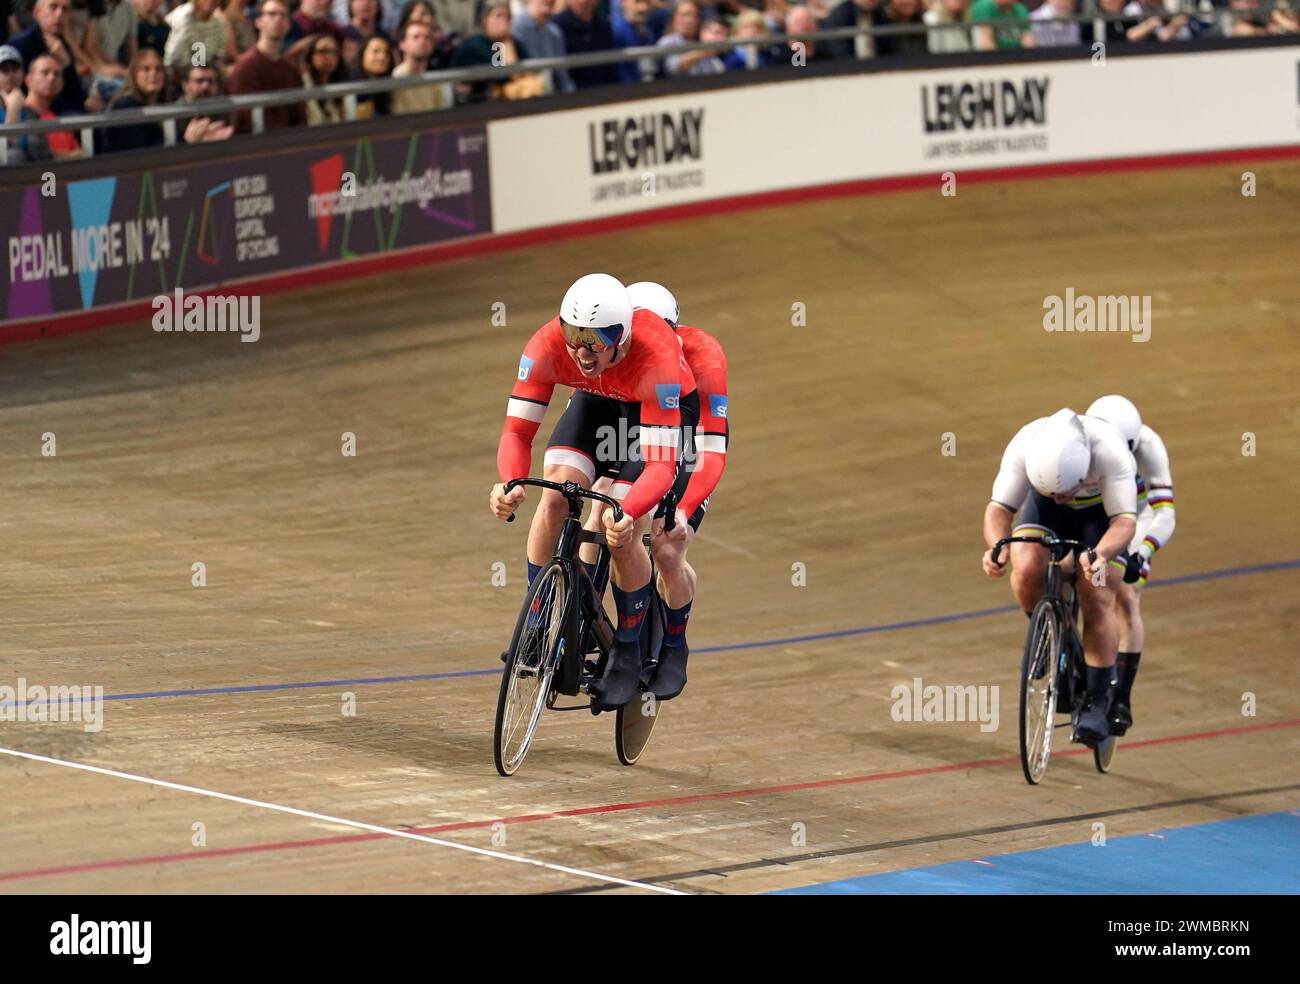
[571,455]
[1100,626]
[1132,636]
[1028,560]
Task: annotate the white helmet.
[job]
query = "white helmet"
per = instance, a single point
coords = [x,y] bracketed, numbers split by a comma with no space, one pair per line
[1059,456]
[596,309]
[655,298]
[1119,412]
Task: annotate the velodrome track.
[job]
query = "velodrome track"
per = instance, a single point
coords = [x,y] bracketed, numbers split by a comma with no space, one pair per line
[780,766]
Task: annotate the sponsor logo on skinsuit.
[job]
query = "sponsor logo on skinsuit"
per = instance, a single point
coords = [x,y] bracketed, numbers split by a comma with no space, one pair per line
[670,395]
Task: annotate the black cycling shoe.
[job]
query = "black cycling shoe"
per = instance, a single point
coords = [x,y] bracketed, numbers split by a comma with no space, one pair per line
[1121,718]
[670,675]
[618,684]
[1092,728]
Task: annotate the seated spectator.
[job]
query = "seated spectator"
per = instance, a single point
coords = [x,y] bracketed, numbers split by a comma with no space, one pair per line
[533,29]
[586,31]
[989,37]
[8,22]
[376,61]
[313,17]
[263,68]
[774,12]
[46,36]
[198,35]
[44,80]
[1116,31]
[151,28]
[240,35]
[1153,24]
[685,27]
[632,31]
[11,71]
[948,31]
[416,47]
[1061,34]
[456,17]
[144,84]
[390,15]
[1248,20]
[495,46]
[800,20]
[852,13]
[200,82]
[363,23]
[110,45]
[749,24]
[323,65]
[898,13]
[444,44]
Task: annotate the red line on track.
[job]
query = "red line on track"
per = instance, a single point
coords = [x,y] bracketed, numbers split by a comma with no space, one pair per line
[334,271]
[732,794]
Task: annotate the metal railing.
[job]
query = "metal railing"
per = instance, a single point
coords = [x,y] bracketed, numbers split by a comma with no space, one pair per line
[255,104]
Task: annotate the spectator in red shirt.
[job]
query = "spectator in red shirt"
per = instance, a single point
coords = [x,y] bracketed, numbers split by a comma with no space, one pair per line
[263,68]
[44,82]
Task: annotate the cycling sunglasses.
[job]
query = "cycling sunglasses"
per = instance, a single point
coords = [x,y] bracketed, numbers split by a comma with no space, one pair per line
[597,340]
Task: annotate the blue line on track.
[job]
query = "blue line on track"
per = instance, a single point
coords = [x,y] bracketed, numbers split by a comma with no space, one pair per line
[1227,572]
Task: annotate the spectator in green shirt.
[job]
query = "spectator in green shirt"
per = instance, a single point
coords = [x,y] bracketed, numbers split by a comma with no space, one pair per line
[989,38]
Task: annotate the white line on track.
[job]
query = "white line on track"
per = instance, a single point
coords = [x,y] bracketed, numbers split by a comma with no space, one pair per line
[357,824]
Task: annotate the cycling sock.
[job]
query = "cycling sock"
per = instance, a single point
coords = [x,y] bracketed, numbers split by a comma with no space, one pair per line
[631,607]
[675,633]
[1127,664]
[1099,678]
[591,570]
[533,571]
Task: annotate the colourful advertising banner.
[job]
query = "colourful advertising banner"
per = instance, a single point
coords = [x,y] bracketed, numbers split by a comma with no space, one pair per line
[83,244]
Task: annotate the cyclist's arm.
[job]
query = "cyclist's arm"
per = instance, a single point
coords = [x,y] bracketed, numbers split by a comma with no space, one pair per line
[1118,497]
[660,434]
[524,412]
[1153,463]
[710,443]
[997,523]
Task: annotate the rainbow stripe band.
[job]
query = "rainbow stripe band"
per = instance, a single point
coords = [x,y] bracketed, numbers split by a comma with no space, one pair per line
[1151,542]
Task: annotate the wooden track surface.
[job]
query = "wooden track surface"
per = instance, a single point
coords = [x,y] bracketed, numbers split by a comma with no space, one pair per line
[924,316]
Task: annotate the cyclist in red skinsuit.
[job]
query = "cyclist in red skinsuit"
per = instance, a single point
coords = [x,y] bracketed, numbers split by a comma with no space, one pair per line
[654,374]
[632,364]
[677,579]
[709,364]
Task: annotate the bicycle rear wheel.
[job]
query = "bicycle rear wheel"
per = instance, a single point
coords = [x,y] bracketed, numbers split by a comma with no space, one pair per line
[1038,691]
[535,650]
[633,725]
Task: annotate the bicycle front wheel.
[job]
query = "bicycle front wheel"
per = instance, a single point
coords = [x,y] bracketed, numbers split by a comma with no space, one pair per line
[1038,691]
[534,653]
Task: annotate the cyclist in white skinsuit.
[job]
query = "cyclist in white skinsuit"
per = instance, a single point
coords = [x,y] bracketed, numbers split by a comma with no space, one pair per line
[1073,477]
[1155,525]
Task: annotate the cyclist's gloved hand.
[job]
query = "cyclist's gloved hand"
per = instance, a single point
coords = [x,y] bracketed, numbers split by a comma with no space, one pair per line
[1133,567]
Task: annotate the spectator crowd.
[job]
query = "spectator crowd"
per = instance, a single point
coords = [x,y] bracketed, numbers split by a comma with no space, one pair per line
[65,57]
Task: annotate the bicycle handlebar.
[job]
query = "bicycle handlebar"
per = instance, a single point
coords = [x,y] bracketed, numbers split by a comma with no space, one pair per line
[1059,548]
[570,490]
